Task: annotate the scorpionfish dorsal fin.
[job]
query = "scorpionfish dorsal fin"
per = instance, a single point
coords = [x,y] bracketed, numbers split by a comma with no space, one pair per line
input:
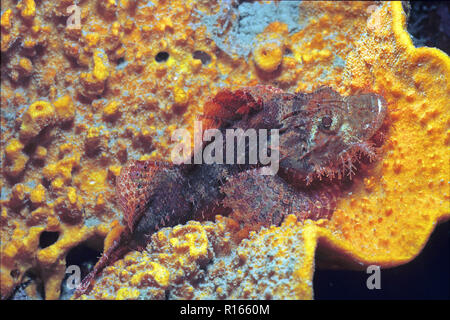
[227,107]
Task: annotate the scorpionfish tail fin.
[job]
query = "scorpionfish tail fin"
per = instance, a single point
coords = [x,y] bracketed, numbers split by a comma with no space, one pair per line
[133,187]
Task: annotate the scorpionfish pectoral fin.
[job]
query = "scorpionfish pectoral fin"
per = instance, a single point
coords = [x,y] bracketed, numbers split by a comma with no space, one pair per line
[266,200]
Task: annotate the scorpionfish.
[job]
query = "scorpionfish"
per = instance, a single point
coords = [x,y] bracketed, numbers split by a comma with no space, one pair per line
[321,136]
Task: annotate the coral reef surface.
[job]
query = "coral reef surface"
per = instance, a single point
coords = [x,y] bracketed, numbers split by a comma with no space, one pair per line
[78,102]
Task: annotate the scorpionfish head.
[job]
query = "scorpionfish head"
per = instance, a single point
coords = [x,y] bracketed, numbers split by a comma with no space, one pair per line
[324,134]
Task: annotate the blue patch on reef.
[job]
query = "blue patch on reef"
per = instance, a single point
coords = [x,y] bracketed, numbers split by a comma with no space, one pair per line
[234,27]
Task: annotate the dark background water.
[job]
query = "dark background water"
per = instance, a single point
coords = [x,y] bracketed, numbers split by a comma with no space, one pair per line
[429,23]
[427,276]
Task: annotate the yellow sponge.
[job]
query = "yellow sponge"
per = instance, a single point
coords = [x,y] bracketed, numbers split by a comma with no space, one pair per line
[39,115]
[64,108]
[268,56]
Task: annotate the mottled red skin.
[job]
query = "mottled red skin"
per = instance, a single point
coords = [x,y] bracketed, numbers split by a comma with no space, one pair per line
[321,135]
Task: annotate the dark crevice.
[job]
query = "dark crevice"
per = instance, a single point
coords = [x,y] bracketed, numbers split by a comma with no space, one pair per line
[202,56]
[81,259]
[29,278]
[83,256]
[15,273]
[162,56]
[47,238]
